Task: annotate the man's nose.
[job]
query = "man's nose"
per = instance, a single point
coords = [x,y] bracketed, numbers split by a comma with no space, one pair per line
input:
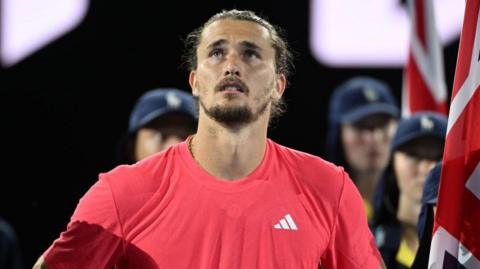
[232,67]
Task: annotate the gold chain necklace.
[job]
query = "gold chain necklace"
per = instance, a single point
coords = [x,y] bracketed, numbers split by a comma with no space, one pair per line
[190,146]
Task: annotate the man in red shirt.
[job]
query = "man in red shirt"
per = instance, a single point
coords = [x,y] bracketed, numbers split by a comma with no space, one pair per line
[227,197]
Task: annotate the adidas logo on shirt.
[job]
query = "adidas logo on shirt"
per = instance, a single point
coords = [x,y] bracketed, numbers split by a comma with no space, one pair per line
[286,223]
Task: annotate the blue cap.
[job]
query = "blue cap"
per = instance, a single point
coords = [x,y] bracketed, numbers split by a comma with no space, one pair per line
[420,124]
[158,102]
[360,97]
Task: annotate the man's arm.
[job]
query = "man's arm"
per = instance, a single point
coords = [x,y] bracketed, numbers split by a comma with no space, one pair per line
[40,264]
[93,237]
[351,243]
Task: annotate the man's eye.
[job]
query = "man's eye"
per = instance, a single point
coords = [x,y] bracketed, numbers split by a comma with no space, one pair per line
[216,53]
[252,54]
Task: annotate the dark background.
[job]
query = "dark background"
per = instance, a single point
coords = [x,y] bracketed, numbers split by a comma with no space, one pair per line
[64,108]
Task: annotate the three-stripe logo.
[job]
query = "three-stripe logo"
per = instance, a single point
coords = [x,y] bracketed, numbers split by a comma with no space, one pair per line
[286,223]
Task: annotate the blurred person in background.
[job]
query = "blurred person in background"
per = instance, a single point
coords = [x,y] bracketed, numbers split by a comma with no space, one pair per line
[10,257]
[362,119]
[426,216]
[416,147]
[226,197]
[160,118]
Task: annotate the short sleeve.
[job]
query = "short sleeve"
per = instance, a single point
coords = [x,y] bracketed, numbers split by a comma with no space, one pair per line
[351,244]
[93,238]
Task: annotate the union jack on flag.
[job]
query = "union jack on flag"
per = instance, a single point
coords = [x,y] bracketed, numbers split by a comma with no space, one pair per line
[424,85]
[456,238]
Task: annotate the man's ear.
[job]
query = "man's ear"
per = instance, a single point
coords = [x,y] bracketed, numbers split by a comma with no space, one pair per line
[192,80]
[280,85]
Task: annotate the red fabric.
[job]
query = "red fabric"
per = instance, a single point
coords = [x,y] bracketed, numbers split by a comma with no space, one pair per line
[167,212]
[465,48]
[425,50]
[458,207]
[420,97]
[420,22]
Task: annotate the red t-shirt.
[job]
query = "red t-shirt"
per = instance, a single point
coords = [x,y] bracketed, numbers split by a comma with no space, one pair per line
[294,211]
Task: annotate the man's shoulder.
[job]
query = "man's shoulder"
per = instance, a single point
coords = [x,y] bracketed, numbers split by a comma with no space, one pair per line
[307,162]
[143,176]
[313,177]
[133,186]
[310,171]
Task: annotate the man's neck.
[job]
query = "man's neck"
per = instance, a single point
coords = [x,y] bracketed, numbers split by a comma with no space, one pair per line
[229,153]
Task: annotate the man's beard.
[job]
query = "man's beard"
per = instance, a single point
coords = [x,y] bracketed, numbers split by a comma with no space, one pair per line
[235,116]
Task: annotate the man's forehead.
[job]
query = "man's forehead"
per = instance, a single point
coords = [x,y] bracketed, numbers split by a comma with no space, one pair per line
[238,30]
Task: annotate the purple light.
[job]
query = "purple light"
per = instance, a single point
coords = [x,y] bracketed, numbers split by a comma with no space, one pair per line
[372,32]
[28,25]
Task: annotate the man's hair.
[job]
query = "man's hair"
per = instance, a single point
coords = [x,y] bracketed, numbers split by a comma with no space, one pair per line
[283,55]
